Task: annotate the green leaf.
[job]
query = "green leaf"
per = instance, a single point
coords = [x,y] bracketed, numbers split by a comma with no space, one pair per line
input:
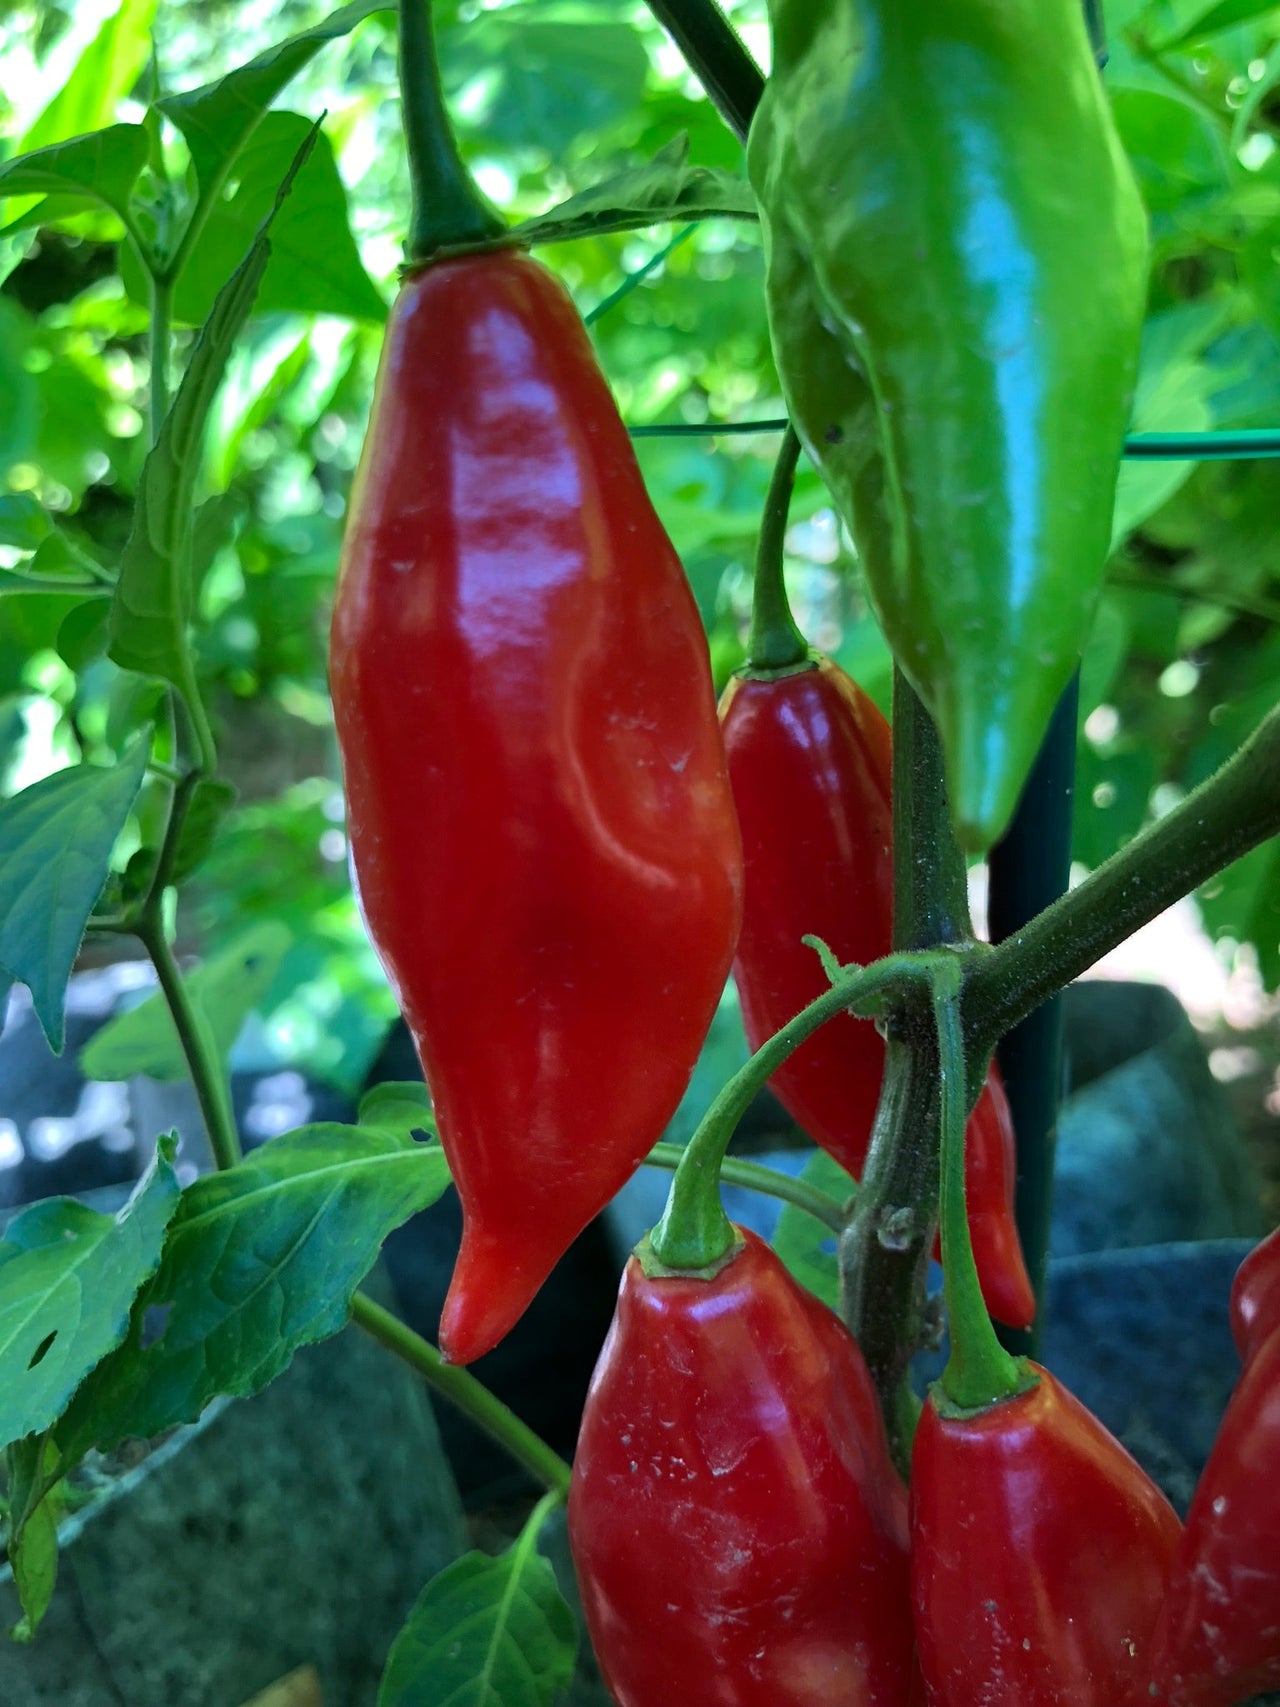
[315,267]
[210,803]
[19,393]
[23,521]
[262,1258]
[485,1633]
[539,82]
[82,635]
[402,1107]
[807,1247]
[102,167]
[32,1540]
[1225,15]
[56,839]
[662,189]
[153,596]
[227,987]
[33,1556]
[104,74]
[218,118]
[68,1280]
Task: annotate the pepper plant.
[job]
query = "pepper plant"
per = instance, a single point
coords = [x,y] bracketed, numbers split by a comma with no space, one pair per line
[544,821]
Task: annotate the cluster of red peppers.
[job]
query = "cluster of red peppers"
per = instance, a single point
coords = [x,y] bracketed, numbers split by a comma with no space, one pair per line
[559,849]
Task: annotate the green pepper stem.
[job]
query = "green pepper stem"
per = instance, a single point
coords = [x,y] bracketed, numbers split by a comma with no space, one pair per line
[695,1232]
[979,1371]
[769,1182]
[775,643]
[448,208]
[464,1392]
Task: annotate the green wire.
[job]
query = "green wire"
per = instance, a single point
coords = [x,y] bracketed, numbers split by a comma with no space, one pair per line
[1252,443]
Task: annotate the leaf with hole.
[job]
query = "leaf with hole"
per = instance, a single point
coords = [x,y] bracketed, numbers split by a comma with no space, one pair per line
[402,1107]
[56,839]
[262,1258]
[68,1280]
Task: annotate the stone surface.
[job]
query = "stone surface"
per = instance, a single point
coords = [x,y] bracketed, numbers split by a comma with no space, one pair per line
[289,1529]
[1149,1151]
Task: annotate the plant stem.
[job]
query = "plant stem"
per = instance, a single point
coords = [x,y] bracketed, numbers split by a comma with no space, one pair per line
[198,1046]
[159,332]
[462,1389]
[1235,810]
[885,1250]
[695,1232]
[768,1181]
[775,645]
[448,209]
[717,57]
[930,888]
[979,1371]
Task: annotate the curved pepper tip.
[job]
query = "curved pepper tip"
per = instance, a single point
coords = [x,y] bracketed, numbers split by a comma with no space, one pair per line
[487,1296]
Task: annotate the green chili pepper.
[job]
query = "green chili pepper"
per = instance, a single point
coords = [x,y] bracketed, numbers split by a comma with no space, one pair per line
[956,278]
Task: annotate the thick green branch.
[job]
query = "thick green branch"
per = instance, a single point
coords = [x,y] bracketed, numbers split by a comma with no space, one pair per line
[198,1045]
[1231,813]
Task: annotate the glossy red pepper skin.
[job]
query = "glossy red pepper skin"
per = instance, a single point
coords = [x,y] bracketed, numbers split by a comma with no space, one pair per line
[1218,1639]
[542,834]
[737,1525]
[811,763]
[1255,1297]
[1039,1556]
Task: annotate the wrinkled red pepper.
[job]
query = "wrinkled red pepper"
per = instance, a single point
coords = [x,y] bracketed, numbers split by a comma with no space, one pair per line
[1040,1553]
[737,1526]
[1218,1640]
[810,760]
[1255,1297]
[542,835]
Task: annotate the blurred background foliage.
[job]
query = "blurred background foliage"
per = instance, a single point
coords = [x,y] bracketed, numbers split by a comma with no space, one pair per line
[549,96]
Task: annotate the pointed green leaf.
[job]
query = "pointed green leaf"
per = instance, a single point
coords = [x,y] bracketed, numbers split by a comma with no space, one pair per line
[32,1543]
[227,987]
[315,267]
[102,167]
[485,1633]
[153,596]
[56,839]
[262,1258]
[662,189]
[218,118]
[68,1279]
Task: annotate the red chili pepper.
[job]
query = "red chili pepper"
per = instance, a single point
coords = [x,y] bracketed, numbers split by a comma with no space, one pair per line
[1218,1639]
[810,760]
[1040,1552]
[541,827]
[1255,1297]
[738,1528]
